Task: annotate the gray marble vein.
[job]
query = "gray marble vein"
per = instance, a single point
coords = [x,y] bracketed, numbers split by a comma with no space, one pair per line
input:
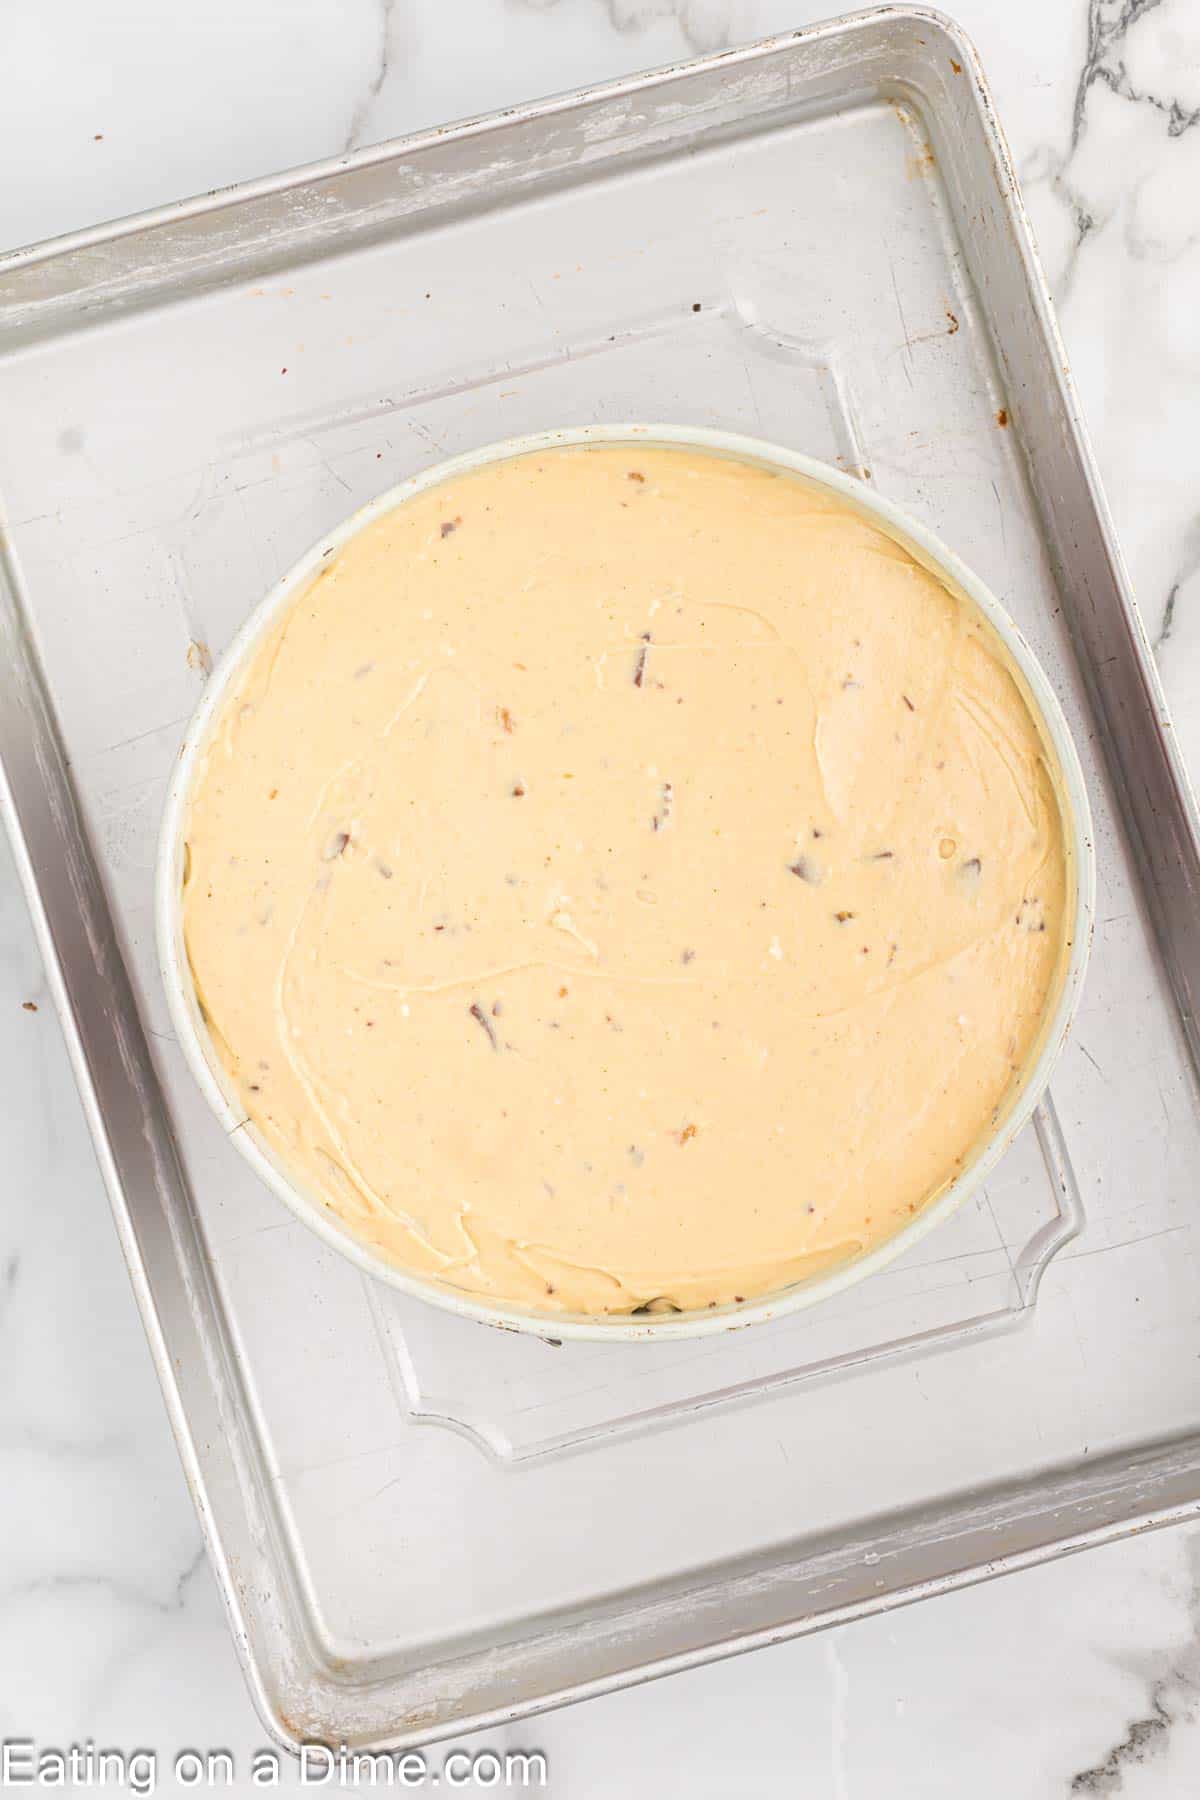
[134,1596]
[1088,193]
[1188,570]
[356,132]
[1107,25]
[1172,1680]
[1117,206]
[705,25]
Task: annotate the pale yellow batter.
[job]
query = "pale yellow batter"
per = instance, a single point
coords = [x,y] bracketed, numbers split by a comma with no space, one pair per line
[625,878]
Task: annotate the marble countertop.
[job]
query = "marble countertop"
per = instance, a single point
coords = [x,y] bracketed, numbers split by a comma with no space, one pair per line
[1082,1677]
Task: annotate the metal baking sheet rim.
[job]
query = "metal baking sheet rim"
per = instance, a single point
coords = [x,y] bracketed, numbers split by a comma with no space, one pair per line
[1100,1504]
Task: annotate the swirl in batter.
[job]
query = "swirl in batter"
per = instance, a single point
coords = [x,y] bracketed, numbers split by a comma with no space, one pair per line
[625,878]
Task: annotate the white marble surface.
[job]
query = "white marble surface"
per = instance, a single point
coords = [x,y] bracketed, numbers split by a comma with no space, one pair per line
[1079,1678]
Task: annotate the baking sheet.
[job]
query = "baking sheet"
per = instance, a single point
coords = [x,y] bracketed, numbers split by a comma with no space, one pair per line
[421,1525]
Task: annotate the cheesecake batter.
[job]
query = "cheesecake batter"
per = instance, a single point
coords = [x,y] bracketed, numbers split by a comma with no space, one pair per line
[625,879]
